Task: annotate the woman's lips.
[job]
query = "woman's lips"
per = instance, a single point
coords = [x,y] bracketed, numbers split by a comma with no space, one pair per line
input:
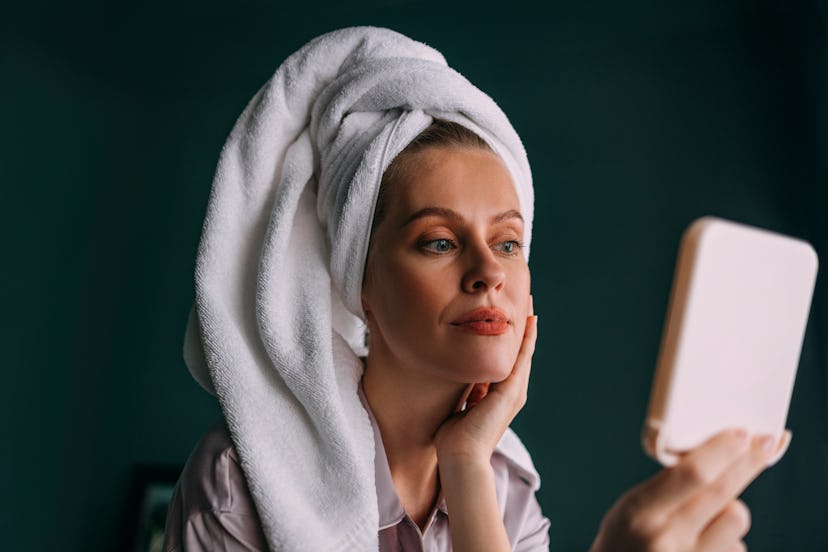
[483,321]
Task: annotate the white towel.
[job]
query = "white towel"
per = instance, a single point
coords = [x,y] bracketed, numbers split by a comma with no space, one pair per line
[277,324]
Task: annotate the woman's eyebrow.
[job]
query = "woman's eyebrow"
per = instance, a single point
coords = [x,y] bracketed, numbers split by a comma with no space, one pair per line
[511,213]
[455,216]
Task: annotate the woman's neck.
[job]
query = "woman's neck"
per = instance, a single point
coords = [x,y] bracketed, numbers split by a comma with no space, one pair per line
[409,408]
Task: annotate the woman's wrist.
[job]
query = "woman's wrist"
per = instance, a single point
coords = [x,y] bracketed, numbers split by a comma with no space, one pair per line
[463,470]
[458,460]
[471,499]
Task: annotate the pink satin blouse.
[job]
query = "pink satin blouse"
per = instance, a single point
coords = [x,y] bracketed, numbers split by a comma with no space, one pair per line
[212,509]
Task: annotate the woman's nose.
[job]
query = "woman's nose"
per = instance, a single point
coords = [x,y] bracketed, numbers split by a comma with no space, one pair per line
[485,271]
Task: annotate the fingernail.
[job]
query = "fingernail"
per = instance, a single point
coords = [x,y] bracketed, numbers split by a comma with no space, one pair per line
[741,437]
[766,443]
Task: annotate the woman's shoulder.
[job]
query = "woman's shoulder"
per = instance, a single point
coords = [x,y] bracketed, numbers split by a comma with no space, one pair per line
[211,501]
[511,458]
[516,481]
[213,477]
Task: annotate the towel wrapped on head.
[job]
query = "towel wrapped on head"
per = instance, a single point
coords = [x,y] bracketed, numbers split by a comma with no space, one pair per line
[277,325]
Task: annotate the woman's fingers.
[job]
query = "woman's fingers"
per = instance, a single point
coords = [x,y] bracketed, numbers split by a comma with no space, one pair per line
[727,529]
[518,381]
[478,391]
[692,505]
[701,467]
[523,363]
[697,513]
[737,547]
[462,403]
[695,500]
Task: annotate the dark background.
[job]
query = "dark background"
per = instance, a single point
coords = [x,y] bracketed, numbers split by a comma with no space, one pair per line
[638,117]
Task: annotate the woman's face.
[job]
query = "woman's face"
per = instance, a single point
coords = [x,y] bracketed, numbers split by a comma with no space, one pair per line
[446,288]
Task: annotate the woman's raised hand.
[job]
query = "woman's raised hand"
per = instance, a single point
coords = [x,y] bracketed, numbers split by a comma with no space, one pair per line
[692,506]
[465,443]
[473,433]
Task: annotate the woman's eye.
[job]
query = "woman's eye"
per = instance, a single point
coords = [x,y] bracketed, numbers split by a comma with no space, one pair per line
[442,245]
[510,247]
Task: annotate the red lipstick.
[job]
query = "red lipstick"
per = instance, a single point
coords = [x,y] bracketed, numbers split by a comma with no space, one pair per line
[483,321]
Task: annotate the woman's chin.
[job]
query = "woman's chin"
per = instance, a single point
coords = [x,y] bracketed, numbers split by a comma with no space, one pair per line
[490,367]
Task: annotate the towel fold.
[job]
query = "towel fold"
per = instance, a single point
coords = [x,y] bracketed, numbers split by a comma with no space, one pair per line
[277,327]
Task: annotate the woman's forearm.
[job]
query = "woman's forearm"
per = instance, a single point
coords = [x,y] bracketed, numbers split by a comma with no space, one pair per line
[474,517]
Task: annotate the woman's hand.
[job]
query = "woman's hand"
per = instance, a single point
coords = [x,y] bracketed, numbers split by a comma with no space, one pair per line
[692,506]
[465,443]
[473,433]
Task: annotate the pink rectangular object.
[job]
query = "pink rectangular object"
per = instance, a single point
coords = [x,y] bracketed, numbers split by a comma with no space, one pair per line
[733,336]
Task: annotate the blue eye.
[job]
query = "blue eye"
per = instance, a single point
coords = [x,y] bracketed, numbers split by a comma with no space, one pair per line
[442,245]
[510,247]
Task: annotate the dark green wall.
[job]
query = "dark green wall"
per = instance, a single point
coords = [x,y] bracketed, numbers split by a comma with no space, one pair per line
[638,117]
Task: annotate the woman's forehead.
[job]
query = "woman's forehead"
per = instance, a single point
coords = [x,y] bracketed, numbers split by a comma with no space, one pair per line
[457,178]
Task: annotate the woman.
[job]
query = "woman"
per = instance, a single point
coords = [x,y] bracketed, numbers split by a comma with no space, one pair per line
[367,183]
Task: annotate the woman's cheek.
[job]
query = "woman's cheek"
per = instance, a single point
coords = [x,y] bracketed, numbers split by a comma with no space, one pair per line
[520,290]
